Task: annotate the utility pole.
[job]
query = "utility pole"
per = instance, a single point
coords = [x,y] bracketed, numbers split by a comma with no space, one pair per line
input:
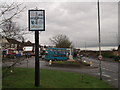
[117,39]
[99,33]
[76,44]
[85,47]
[85,50]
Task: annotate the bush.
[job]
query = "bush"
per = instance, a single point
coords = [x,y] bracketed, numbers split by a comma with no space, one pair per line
[108,55]
[116,58]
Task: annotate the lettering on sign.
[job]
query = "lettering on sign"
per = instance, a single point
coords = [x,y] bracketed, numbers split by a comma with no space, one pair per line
[36,20]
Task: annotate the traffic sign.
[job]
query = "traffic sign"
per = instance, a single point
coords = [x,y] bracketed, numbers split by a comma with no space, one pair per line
[100,57]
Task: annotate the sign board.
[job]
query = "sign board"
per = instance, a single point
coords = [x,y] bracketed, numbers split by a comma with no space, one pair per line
[100,57]
[29,48]
[36,20]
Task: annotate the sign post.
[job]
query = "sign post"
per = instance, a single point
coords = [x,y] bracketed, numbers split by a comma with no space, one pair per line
[100,57]
[37,23]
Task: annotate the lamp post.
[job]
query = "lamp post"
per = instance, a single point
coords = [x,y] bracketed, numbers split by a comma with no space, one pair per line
[100,62]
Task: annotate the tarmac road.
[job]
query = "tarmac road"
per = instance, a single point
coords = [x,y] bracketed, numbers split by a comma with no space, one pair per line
[109,70]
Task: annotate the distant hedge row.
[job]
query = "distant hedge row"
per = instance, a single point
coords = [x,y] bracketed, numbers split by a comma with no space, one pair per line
[106,55]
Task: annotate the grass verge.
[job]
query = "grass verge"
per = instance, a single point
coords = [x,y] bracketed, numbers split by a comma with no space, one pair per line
[24,78]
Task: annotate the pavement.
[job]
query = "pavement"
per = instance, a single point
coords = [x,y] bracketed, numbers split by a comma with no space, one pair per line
[109,69]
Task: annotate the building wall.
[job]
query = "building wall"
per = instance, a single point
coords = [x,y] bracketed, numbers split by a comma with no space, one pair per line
[3,42]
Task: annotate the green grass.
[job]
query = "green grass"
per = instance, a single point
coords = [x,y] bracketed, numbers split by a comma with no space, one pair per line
[24,78]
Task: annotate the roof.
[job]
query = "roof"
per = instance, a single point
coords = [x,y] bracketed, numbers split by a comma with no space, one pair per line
[28,43]
[13,41]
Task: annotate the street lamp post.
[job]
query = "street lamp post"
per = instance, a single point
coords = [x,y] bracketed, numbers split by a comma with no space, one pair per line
[99,42]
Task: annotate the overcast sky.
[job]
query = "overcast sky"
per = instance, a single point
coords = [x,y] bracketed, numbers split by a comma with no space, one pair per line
[77,20]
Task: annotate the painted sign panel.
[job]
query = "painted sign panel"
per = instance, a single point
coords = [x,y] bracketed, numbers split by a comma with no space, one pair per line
[36,20]
[28,48]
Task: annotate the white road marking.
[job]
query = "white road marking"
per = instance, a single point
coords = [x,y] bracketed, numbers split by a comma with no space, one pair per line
[104,75]
[109,80]
[106,69]
[115,79]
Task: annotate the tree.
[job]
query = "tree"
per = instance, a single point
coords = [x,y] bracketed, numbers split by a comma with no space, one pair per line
[9,11]
[9,28]
[12,30]
[61,41]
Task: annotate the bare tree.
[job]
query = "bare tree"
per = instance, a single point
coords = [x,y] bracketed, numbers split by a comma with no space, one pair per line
[61,41]
[9,11]
[12,30]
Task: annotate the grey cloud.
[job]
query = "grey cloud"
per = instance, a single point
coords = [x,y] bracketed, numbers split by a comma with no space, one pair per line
[78,20]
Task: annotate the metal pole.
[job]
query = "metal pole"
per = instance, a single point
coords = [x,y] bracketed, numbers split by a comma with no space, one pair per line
[85,46]
[117,39]
[37,59]
[99,41]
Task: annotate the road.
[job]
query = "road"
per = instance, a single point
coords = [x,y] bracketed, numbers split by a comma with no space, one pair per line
[109,69]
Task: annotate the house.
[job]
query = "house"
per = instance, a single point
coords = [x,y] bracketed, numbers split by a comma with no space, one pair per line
[13,43]
[9,47]
[28,48]
[117,52]
[3,42]
[10,43]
